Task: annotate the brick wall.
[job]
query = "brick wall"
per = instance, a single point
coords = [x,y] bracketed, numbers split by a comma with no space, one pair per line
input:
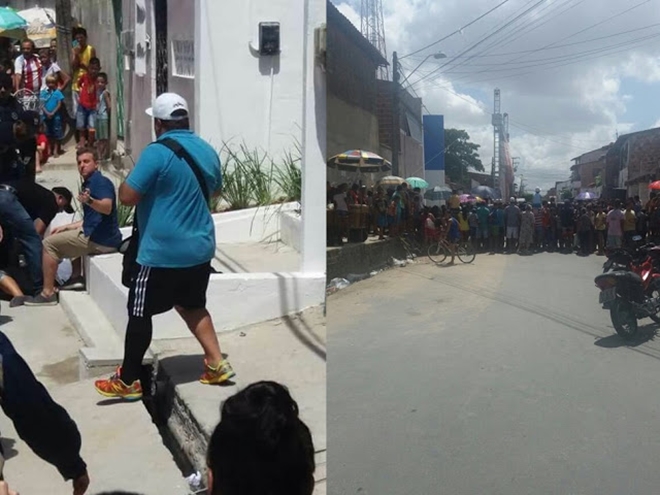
[644,155]
[587,172]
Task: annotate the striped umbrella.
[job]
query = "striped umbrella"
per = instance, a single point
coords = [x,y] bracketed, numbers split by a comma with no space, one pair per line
[391,180]
[359,161]
[12,25]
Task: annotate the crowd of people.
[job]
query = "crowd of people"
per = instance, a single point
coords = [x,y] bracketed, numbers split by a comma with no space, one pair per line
[496,226]
[37,75]
[260,445]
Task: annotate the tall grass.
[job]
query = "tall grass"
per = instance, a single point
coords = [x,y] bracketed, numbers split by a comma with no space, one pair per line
[251,178]
[125,215]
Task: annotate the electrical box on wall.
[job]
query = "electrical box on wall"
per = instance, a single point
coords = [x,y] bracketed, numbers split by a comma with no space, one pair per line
[269,38]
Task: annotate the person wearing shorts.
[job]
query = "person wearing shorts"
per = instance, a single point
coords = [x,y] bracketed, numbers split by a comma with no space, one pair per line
[87,102]
[97,233]
[175,251]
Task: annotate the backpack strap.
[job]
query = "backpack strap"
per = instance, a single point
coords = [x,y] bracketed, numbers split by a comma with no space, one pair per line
[181,152]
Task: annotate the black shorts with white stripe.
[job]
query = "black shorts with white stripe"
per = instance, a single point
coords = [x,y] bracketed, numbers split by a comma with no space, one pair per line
[157,290]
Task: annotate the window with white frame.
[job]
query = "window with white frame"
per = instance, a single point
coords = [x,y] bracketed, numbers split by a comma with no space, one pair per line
[183,58]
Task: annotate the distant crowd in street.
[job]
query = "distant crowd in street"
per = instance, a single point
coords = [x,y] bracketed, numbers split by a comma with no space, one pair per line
[496,226]
[38,80]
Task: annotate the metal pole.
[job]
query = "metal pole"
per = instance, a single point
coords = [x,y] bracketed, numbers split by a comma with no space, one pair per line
[63,18]
[396,109]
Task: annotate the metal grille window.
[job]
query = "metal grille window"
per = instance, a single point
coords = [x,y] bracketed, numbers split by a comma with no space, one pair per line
[183,58]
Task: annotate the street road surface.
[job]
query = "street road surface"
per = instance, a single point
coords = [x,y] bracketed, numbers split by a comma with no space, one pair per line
[501,377]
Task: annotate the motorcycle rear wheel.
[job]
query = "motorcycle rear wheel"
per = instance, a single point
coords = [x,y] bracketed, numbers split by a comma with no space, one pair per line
[623,318]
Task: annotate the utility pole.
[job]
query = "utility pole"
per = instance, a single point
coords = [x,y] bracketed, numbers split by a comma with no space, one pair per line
[396,109]
[63,18]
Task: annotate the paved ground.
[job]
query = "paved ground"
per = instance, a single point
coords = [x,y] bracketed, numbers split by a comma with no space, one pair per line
[117,437]
[502,377]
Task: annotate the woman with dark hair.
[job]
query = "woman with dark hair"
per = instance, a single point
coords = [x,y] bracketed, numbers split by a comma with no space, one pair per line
[260,446]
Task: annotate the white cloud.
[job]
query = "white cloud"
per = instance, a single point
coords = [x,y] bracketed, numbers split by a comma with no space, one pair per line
[563,109]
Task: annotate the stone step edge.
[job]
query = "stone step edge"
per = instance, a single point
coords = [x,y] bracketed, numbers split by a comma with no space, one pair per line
[192,440]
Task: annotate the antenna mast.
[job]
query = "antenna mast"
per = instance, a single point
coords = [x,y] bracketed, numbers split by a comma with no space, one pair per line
[373,28]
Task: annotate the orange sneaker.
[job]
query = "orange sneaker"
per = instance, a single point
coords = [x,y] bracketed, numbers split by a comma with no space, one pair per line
[220,374]
[115,387]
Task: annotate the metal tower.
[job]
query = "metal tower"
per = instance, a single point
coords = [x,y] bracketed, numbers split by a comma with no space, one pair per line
[373,28]
[498,123]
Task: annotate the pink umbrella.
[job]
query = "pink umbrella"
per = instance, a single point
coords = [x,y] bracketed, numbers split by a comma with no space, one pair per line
[467,198]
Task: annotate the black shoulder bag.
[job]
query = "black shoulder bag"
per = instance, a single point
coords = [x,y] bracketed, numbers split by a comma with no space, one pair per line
[129,247]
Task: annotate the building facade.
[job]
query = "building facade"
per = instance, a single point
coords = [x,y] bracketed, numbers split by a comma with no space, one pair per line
[352,120]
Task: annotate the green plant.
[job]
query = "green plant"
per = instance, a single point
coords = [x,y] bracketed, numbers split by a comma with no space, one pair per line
[251,178]
[288,177]
[125,215]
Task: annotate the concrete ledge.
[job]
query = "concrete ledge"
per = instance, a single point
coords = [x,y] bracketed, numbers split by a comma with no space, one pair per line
[289,350]
[104,350]
[290,229]
[363,258]
[233,299]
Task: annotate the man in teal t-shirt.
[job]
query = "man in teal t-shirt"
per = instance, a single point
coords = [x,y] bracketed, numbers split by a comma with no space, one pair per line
[177,244]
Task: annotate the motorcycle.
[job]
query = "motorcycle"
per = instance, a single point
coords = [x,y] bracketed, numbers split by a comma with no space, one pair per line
[630,288]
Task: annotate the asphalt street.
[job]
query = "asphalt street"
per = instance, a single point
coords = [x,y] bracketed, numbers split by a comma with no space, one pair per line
[501,377]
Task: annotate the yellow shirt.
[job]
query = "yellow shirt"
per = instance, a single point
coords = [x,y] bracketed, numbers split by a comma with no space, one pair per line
[463,222]
[85,57]
[629,222]
[601,220]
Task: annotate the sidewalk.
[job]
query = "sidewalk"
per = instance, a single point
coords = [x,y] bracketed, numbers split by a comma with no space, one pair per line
[121,445]
[291,351]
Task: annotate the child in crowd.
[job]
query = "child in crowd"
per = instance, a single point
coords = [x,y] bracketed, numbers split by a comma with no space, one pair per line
[87,102]
[42,149]
[50,68]
[102,116]
[51,102]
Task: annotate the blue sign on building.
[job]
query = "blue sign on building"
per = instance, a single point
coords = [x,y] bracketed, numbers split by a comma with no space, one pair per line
[434,142]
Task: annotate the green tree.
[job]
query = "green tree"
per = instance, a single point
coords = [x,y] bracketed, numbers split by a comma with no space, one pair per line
[566,194]
[460,154]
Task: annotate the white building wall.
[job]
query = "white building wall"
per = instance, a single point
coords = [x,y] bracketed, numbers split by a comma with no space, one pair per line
[240,96]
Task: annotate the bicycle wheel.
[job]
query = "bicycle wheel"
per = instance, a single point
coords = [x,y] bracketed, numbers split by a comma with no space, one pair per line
[466,253]
[437,252]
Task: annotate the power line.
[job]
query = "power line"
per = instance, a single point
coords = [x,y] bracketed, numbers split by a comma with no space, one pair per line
[455,32]
[487,37]
[557,47]
[522,30]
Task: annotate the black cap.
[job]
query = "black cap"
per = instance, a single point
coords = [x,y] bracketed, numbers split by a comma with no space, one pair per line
[66,194]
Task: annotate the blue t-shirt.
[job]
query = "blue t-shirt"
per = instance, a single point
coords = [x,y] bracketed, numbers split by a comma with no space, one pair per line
[176,227]
[50,99]
[454,231]
[101,229]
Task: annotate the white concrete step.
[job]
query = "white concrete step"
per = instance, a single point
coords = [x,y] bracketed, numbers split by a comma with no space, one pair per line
[256,257]
[234,300]
[103,350]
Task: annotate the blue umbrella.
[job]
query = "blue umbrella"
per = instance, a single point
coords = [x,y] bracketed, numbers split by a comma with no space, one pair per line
[483,192]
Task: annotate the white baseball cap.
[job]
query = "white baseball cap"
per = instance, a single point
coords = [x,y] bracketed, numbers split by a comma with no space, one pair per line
[165,105]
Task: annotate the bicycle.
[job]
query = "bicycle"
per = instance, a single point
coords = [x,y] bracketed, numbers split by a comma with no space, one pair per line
[412,246]
[439,250]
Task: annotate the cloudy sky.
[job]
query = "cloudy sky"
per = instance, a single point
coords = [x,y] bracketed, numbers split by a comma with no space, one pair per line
[572,73]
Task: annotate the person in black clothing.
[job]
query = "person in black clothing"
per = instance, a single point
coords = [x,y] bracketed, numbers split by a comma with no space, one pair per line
[17,167]
[44,204]
[39,421]
[567,217]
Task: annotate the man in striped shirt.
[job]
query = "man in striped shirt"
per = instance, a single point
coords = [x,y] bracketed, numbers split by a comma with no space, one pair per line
[27,69]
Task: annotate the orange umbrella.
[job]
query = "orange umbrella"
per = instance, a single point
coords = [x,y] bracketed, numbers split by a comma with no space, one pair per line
[655,186]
